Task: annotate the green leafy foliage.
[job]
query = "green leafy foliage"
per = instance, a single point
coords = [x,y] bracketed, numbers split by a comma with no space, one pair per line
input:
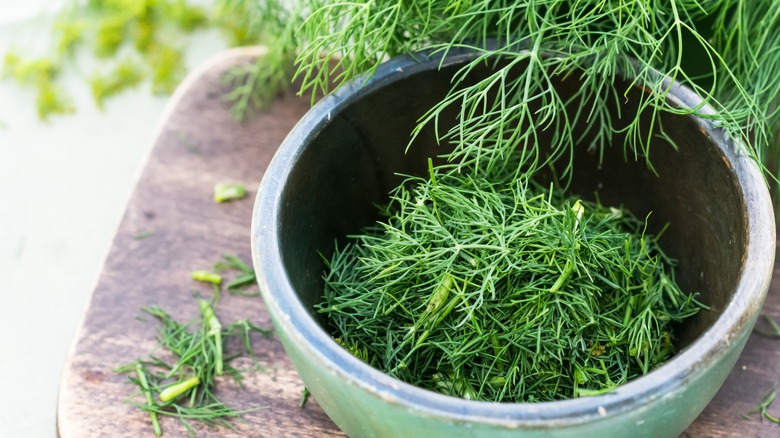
[71,35]
[276,23]
[110,29]
[40,74]
[487,286]
[167,69]
[229,192]
[725,50]
[52,100]
[185,387]
[126,74]
[762,409]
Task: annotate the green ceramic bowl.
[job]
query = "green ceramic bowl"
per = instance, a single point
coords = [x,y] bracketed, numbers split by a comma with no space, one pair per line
[344,155]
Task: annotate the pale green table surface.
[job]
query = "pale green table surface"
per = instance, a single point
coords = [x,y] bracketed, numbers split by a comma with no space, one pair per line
[63,188]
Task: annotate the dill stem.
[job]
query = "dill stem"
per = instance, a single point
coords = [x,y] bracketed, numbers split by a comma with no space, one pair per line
[229,192]
[304,397]
[206,277]
[241,281]
[139,371]
[567,270]
[215,329]
[177,389]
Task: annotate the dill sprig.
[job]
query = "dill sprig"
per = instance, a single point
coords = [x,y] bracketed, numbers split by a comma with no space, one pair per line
[276,24]
[246,276]
[126,74]
[763,406]
[724,50]
[108,28]
[497,289]
[229,192]
[185,388]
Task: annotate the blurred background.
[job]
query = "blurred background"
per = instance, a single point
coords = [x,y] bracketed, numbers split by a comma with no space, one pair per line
[63,187]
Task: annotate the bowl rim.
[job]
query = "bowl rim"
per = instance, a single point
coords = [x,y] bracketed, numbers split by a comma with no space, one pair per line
[713,344]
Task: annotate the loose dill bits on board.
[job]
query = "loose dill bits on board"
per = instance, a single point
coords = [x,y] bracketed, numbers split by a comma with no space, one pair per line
[496,288]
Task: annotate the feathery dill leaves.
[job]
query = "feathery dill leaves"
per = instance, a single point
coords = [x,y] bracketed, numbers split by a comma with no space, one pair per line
[229,192]
[144,234]
[724,50]
[185,388]
[276,24]
[490,287]
[109,28]
[763,406]
[126,74]
[167,69]
[39,73]
[240,284]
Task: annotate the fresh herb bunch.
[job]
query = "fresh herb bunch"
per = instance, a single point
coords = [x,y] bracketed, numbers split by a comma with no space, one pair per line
[184,389]
[725,50]
[275,23]
[498,289]
[139,32]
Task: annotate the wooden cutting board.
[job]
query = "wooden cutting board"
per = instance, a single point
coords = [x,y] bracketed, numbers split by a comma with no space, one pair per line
[199,144]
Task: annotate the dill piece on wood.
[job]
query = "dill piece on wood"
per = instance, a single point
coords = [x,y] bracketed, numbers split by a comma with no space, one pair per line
[185,388]
[229,192]
[763,407]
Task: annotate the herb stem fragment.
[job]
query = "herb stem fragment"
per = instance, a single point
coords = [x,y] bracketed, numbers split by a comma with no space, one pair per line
[139,371]
[229,192]
[207,277]
[177,389]
[215,330]
[764,405]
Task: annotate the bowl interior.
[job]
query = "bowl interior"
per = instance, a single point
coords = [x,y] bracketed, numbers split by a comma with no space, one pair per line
[352,160]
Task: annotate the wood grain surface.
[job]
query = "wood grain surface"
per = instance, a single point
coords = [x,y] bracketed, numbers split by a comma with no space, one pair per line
[198,145]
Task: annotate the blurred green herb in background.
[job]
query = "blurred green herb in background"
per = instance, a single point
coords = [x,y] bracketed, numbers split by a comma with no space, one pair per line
[131,40]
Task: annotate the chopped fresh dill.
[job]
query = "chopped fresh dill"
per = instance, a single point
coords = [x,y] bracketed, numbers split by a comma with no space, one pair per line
[126,74]
[763,406]
[229,192]
[245,279]
[488,286]
[167,68]
[28,71]
[172,392]
[185,387]
[110,28]
[71,35]
[233,262]
[304,397]
[144,384]
[52,100]
[143,235]
[207,277]
[39,73]
[110,36]
[188,18]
